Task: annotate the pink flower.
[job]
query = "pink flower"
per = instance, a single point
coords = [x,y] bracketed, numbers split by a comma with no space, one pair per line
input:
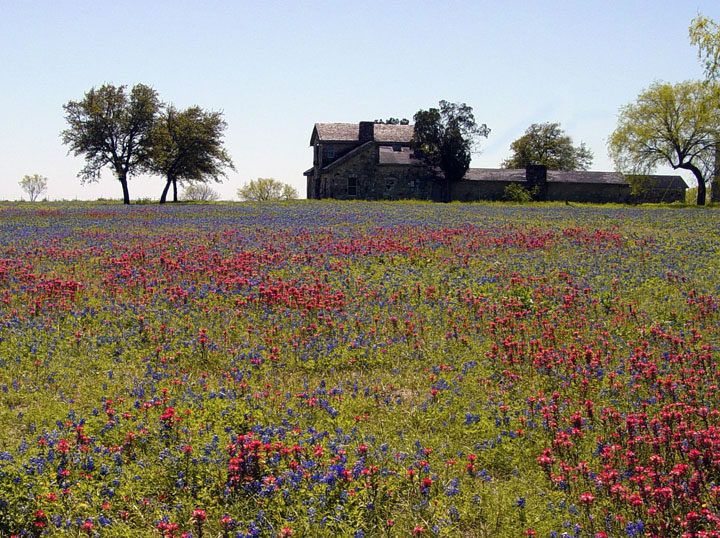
[198,515]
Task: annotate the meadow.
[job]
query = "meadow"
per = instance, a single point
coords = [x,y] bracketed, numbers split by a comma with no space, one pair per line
[359,369]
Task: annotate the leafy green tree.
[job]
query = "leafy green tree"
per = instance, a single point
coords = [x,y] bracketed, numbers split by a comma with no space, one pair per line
[669,124]
[705,34]
[34,185]
[112,128]
[445,138]
[187,146]
[267,190]
[201,192]
[548,145]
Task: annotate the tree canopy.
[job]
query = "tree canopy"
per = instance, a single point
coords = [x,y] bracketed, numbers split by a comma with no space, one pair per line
[34,185]
[445,138]
[187,146]
[267,190]
[705,35]
[672,124]
[548,145]
[112,128]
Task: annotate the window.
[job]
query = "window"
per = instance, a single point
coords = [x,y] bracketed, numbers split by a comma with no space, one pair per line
[389,184]
[329,151]
[352,186]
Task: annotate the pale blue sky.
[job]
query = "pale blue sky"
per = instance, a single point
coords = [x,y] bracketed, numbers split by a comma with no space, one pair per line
[276,68]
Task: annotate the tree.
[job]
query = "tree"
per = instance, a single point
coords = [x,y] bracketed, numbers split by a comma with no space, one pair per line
[202,192]
[445,138]
[267,190]
[34,185]
[669,124]
[112,128]
[187,146]
[548,145]
[705,34]
[394,121]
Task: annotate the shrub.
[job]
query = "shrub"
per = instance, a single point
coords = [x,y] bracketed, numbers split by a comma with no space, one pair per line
[267,189]
[517,193]
[200,193]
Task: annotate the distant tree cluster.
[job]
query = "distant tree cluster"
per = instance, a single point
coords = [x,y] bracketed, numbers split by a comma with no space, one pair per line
[133,133]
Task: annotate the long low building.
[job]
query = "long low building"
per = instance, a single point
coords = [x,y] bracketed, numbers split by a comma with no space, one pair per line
[372,161]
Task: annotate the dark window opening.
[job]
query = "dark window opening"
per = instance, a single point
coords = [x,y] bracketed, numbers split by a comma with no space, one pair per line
[352,186]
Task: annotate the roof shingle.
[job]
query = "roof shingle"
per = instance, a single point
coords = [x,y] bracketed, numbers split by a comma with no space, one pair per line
[350,132]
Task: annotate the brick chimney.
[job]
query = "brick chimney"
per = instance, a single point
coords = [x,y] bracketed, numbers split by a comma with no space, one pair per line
[367,131]
[536,179]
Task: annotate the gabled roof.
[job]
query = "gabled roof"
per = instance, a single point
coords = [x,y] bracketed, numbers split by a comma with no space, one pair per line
[349,155]
[350,132]
[335,132]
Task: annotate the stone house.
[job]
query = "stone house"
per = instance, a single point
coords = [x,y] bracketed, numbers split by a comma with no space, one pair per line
[372,161]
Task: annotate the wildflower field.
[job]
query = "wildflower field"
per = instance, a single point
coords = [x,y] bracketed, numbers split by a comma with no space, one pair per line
[359,369]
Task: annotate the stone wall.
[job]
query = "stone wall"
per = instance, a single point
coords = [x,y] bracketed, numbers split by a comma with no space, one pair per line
[334,184]
[600,193]
[657,196]
[470,191]
[373,181]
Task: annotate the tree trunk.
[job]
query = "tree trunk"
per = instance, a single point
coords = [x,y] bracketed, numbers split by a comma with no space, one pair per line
[715,186]
[444,190]
[174,182]
[122,177]
[701,191]
[163,198]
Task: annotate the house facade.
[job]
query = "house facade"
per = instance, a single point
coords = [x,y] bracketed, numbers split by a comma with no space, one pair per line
[370,161]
